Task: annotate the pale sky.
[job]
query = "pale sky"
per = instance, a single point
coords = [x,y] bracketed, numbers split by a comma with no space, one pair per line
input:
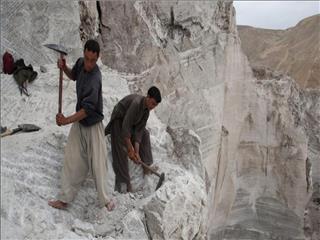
[274,14]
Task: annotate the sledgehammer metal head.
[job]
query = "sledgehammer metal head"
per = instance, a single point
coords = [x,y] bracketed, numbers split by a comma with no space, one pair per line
[58,48]
[161,176]
[161,179]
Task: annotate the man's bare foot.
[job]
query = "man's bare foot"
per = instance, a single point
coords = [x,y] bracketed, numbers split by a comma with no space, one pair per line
[58,204]
[110,205]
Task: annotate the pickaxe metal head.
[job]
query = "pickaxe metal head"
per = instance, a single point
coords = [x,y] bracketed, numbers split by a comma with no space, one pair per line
[57,48]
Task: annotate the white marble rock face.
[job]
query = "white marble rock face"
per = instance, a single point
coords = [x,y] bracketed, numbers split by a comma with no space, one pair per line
[27,25]
[240,151]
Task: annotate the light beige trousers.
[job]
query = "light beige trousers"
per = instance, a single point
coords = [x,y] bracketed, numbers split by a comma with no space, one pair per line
[85,152]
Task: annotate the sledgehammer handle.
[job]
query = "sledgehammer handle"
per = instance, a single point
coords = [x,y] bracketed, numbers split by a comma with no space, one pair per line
[60,87]
[149,168]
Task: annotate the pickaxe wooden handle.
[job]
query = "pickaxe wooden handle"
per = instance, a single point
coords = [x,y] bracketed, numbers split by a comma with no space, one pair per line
[60,87]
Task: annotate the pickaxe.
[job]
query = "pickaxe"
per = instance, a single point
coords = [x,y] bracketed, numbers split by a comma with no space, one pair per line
[63,52]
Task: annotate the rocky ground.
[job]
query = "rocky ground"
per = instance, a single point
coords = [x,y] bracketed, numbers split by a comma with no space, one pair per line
[31,164]
[239,146]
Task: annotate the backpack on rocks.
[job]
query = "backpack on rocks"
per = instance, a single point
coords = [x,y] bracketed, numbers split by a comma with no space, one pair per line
[8,63]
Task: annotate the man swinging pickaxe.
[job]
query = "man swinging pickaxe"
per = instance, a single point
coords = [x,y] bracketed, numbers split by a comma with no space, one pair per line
[86,149]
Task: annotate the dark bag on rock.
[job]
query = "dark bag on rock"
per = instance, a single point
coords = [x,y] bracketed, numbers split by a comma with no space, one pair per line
[8,63]
[23,75]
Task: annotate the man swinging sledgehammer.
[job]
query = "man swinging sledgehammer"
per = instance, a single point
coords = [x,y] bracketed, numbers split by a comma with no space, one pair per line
[129,136]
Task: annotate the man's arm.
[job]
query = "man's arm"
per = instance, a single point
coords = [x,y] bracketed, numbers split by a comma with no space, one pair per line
[62,65]
[139,129]
[137,150]
[131,151]
[78,116]
[129,148]
[68,72]
[127,123]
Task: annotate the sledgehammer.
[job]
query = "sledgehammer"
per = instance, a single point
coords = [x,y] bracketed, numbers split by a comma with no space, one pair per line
[161,176]
[60,49]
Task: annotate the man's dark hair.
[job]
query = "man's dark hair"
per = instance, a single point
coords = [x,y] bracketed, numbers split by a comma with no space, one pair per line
[154,93]
[93,46]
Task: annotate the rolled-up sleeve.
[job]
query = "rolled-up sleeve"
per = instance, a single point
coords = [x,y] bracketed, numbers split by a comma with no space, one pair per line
[129,119]
[90,100]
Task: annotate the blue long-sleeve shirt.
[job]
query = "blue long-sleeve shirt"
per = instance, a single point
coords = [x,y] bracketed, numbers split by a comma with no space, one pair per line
[89,92]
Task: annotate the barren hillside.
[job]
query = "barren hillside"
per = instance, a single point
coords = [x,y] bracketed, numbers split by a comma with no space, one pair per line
[294,51]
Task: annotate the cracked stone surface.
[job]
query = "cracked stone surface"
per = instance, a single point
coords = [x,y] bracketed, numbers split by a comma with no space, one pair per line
[239,146]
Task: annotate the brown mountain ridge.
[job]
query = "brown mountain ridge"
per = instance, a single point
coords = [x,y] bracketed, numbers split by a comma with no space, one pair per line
[294,51]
